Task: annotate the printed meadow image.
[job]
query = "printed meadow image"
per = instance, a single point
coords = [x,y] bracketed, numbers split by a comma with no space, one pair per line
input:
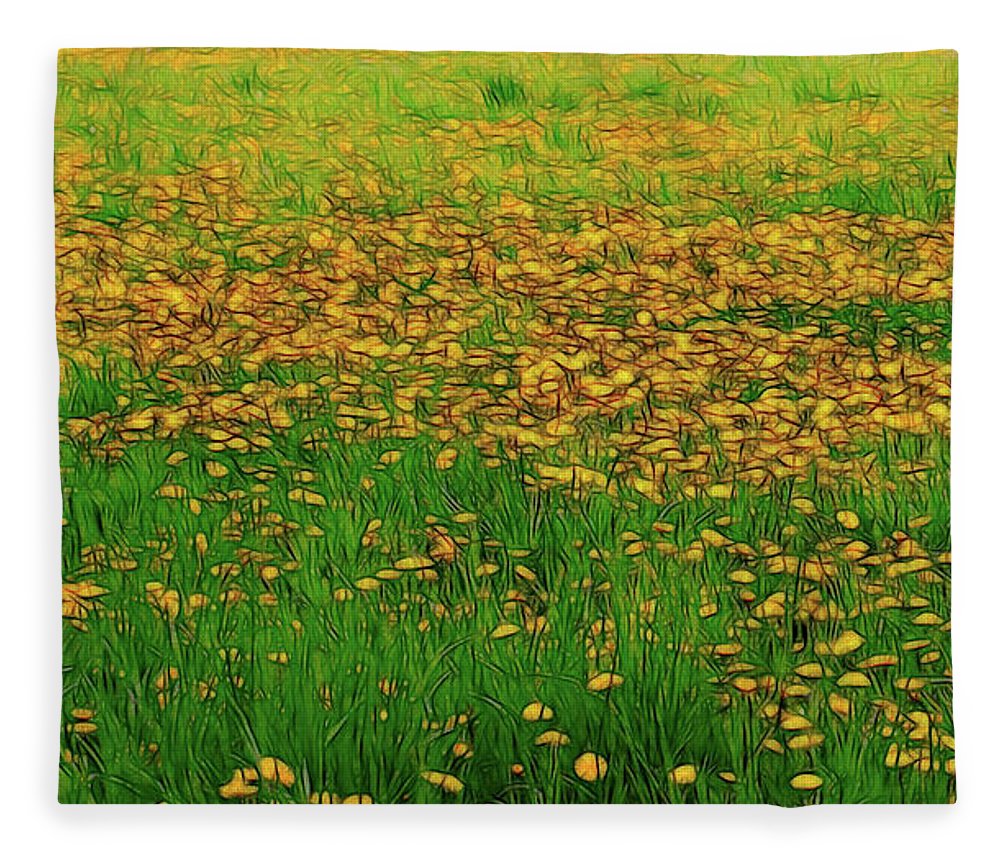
[474,428]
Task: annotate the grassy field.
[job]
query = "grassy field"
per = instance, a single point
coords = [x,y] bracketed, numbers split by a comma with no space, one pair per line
[505,428]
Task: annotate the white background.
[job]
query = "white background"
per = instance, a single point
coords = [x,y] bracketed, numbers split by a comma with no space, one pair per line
[29,480]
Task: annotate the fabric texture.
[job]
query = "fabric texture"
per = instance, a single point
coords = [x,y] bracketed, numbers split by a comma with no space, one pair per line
[471,428]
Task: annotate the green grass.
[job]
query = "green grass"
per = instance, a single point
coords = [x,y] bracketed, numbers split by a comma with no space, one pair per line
[517,205]
[131,133]
[667,711]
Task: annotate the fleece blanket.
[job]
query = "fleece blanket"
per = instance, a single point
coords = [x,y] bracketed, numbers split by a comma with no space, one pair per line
[466,428]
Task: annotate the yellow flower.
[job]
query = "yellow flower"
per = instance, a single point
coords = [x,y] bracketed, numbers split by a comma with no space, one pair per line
[535,711]
[445,781]
[684,774]
[275,770]
[590,767]
[604,681]
[240,787]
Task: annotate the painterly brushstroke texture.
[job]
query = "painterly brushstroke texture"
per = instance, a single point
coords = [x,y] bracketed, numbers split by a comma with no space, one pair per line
[505,427]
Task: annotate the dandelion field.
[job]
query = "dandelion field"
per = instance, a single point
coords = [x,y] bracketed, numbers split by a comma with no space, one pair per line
[505,427]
